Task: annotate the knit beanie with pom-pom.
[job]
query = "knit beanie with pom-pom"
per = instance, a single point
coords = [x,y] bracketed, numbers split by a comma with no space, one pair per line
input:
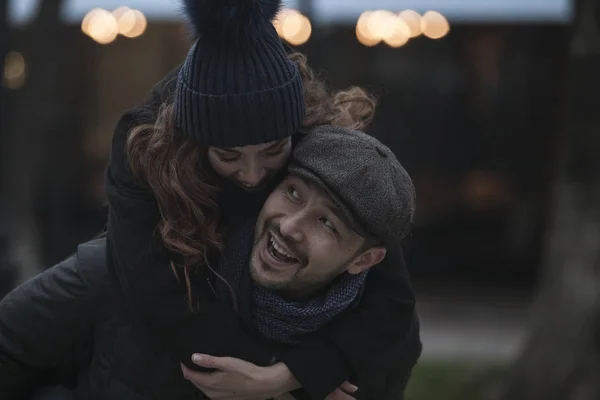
[237,86]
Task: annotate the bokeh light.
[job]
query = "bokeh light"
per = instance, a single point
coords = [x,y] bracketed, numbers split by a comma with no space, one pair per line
[293,27]
[14,70]
[412,20]
[434,25]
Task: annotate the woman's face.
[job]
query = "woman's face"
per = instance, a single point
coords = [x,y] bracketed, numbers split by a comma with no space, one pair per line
[250,167]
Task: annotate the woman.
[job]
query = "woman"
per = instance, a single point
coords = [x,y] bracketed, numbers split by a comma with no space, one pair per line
[201,155]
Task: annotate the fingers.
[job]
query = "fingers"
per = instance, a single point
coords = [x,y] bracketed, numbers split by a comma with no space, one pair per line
[348,387]
[339,394]
[199,379]
[221,363]
[206,361]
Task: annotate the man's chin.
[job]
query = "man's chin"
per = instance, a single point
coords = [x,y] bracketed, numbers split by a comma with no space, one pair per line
[264,280]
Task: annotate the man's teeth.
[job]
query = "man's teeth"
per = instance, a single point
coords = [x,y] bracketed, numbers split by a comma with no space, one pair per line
[279,249]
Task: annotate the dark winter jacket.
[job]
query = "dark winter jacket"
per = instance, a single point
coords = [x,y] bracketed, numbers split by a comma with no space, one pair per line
[72,317]
[354,344]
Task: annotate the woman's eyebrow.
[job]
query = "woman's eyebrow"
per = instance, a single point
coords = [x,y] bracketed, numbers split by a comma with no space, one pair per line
[226,150]
[275,145]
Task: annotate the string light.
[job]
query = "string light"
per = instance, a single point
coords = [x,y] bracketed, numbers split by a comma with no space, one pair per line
[100,25]
[104,26]
[374,27]
[382,24]
[132,24]
[125,19]
[363,33]
[398,39]
[412,20]
[85,24]
[434,25]
[14,70]
[293,27]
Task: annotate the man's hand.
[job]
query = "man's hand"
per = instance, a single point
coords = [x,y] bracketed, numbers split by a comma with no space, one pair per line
[237,379]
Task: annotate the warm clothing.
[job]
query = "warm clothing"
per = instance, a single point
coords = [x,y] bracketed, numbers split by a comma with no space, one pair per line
[237,86]
[354,343]
[363,178]
[72,315]
[275,318]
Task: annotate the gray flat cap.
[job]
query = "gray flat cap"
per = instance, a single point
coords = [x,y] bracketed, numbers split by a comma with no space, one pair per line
[362,176]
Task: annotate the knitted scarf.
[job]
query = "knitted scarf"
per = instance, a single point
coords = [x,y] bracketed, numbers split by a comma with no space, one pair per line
[274,317]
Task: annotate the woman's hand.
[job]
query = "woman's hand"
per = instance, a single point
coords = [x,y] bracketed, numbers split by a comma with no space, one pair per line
[342,393]
[237,379]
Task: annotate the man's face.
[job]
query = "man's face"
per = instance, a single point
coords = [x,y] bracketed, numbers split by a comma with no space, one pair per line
[302,242]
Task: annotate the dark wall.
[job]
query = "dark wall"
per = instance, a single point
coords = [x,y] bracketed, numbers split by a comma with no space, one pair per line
[470,116]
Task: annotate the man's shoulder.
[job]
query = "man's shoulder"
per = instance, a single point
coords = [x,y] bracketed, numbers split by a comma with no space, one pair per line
[91,259]
[84,274]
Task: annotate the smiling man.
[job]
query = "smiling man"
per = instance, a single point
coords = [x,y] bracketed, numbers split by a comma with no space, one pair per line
[345,205]
[305,241]
[345,201]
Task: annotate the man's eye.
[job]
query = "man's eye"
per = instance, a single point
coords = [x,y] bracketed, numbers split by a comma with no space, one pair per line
[294,193]
[328,224]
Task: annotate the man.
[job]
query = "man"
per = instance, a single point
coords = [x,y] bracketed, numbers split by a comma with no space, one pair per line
[345,204]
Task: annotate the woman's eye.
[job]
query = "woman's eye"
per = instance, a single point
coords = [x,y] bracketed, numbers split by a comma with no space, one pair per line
[229,159]
[273,154]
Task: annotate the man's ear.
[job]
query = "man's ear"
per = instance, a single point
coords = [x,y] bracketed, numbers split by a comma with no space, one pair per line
[367,259]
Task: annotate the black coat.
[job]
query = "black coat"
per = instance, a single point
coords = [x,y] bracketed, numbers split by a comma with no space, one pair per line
[73,318]
[73,313]
[355,343]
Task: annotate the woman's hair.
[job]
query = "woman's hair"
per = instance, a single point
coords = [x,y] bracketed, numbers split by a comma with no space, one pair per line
[175,168]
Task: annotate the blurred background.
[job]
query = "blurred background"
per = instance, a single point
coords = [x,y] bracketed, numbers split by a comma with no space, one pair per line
[492,107]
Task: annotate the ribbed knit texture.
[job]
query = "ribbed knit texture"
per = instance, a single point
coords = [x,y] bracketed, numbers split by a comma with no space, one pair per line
[364,179]
[239,93]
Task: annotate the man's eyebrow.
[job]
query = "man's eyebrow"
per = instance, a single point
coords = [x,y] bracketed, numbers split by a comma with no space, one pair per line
[331,207]
[335,210]
[305,181]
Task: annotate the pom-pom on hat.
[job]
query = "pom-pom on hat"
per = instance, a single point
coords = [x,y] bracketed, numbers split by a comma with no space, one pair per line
[237,86]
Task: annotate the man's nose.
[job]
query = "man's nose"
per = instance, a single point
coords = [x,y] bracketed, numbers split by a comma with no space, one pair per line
[291,226]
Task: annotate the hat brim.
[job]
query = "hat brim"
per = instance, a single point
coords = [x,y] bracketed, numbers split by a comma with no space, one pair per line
[350,217]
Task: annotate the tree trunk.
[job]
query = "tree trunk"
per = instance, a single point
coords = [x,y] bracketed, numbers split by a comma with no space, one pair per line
[561,357]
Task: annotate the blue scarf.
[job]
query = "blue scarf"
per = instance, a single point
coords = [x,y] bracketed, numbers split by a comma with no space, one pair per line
[274,317]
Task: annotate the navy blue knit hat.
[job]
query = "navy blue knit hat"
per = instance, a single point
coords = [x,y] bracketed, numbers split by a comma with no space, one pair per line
[237,86]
